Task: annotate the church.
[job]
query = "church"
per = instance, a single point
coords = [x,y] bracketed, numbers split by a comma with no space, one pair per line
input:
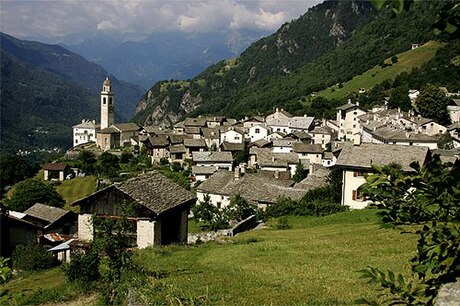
[107,135]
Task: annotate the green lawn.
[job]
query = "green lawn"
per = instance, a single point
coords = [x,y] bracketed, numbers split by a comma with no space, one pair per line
[77,188]
[315,262]
[406,62]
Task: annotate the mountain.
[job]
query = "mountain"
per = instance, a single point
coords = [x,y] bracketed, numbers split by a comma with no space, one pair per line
[46,89]
[172,55]
[333,42]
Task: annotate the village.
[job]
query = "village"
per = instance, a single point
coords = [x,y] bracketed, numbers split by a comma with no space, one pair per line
[260,159]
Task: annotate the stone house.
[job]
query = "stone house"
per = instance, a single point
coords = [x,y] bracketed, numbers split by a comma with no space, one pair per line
[454,110]
[256,188]
[278,114]
[311,152]
[283,145]
[160,216]
[356,161]
[347,120]
[52,219]
[258,132]
[177,153]
[322,135]
[57,171]
[211,136]
[288,125]
[85,132]
[158,147]
[233,135]
[108,138]
[218,160]
[252,121]
[194,145]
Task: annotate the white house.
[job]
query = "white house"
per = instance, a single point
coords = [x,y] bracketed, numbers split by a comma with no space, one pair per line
[283,145]
[85,132]
[356,161]
[258,132]
[288,125]
[232,135]
[218,160]
[347,119]
[322,135]
[311,152]
[278,114]
[454,110]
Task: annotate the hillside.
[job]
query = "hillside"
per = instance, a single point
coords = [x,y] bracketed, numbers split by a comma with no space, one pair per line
[278,72]
[407,61]
[45,90]
[316,262]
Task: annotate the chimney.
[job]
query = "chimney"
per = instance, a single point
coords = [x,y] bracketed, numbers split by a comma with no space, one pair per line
[242,168]
[357,139]
[277,174]
[357,103]
[277,110]
[349,101]
[237,173]
[83,120]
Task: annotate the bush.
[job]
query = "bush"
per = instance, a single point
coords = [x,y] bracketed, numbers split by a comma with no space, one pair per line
[282,223]
[31,191]
[32,257]
[84,267]
[126,157]
[239,209]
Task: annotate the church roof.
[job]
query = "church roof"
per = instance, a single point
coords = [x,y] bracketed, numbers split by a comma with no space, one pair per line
[87,124]
[126,127]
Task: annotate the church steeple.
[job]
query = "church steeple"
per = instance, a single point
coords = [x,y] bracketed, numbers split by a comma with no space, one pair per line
[107,105]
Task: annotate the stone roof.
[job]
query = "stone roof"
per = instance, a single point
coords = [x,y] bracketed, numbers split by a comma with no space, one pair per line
[198,122]
[87,124]
[284,142]
[152,190]
[192,130]
[348,106]
[179,124]
[230,146]
[364,155]
[252,187]
[225,157]
[314,180]
[253,118]
[450,156]
[194,143]
[177,139]
[307,148]
[109,130]
[455,102]
[277,159]
[203,170]
[234,128]
[177,149]
[398,135]
[323,130]
[299,135]
[126,127]
[55,166]
[297,122]
[46,212]
[160,141]
[261,143]
[210,133]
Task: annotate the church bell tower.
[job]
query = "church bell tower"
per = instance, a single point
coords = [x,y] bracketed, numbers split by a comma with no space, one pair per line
[107,105]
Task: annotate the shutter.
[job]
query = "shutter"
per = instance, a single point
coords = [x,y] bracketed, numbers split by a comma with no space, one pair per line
[355,173]
[354,195]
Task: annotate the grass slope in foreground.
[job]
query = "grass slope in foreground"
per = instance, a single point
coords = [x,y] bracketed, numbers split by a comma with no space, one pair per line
[314,262]
[406,62]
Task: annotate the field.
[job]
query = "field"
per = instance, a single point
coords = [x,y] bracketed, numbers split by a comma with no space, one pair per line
[315,262]
[406,62]
[76,188]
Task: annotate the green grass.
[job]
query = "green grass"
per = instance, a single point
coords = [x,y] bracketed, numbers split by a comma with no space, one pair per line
[315,262]
[77,188]
[406,62]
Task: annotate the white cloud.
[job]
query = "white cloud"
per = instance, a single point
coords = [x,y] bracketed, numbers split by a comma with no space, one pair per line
[28,18]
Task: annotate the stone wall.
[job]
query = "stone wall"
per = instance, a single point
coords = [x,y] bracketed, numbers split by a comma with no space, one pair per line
[85,227]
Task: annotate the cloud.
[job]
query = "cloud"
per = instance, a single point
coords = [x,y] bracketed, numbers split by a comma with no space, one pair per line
[27,18]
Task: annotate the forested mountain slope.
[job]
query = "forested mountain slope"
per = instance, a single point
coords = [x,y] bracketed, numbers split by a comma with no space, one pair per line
[279,72]
[45,90]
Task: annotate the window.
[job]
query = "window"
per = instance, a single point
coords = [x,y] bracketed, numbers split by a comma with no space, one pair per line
[110,100]
[357,173]
[257,131]
[104,100]
[358,195]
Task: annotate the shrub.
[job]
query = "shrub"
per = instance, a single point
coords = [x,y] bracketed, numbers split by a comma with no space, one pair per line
[31,191]
[282,223]
[239,209]
[126,157]
[84,267]
[32,257]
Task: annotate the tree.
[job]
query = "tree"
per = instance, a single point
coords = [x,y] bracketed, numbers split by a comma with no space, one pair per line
[108,164]
[13,169]
[445,142]
[31,191]
[87,161]
[300,173]
[399,98]
[213,217]
[432,103]
[239,209]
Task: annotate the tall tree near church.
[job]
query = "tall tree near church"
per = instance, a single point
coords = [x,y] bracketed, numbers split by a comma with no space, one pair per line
[432,103]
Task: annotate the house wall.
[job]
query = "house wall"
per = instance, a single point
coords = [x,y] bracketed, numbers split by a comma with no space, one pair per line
[314,158]
[159,153]
[454,112]
[350,185]
[348,123]
[146,229]
[46,175]
[217,200]
[285,149]
[85,227]
[322,139]
[232,137]
[433,128]
[262,133]
[83,135]
[220,165]
[280,128]
[125,137]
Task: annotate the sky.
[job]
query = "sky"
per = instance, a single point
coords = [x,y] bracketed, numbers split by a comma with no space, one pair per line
[34,19]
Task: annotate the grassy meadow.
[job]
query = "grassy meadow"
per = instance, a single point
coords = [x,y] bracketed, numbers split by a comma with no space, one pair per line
[314,262]
[406,62]
[76,188]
